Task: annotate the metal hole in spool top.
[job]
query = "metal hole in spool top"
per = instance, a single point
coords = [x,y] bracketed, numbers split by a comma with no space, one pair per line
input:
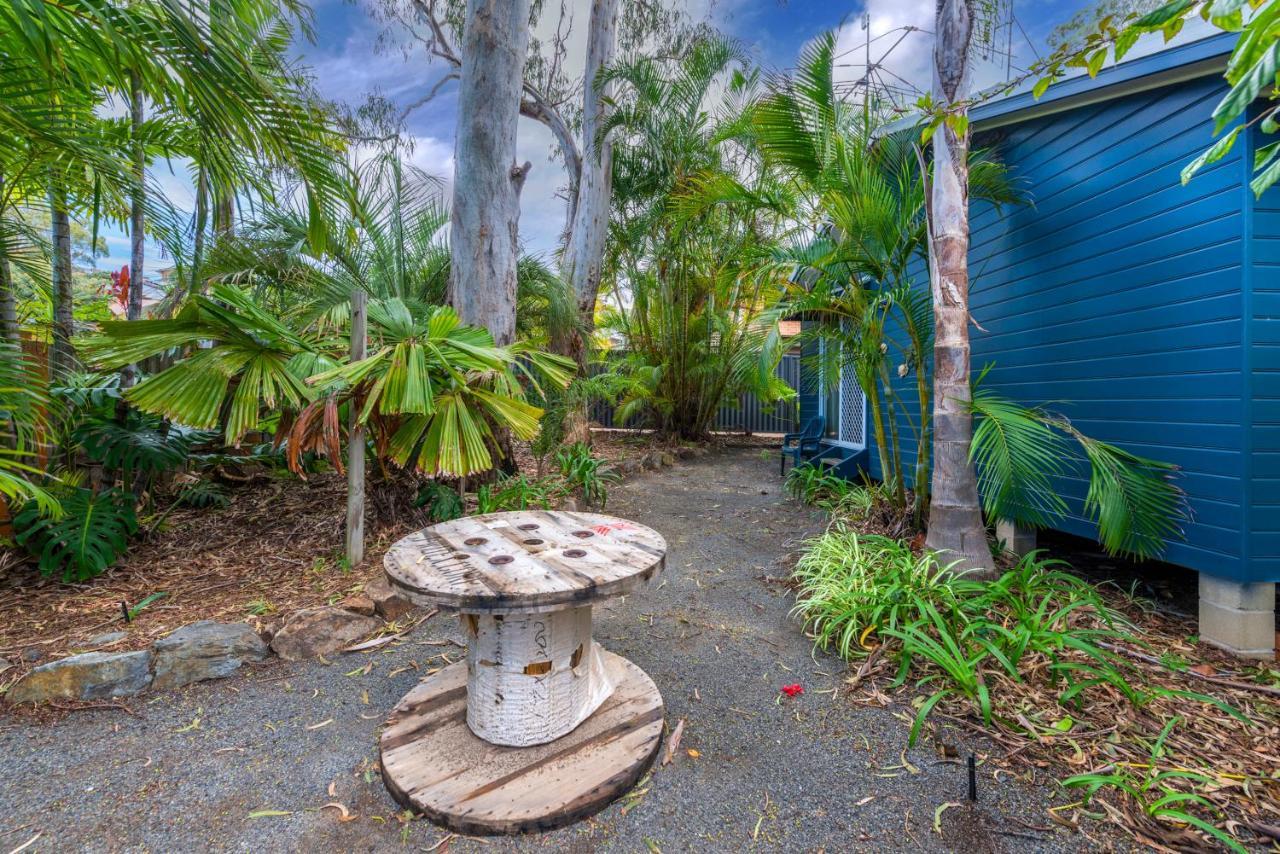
[582,535]
[499,560]
[475,541]
[575,553]
[528,526]
[534,542]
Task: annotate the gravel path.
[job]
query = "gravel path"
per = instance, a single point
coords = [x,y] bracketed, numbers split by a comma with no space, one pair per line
[754,772]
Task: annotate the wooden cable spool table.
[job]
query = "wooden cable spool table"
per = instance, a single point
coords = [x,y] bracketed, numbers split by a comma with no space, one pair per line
[540,726]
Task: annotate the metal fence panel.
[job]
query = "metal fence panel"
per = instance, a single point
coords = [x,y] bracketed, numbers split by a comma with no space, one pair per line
[748,415]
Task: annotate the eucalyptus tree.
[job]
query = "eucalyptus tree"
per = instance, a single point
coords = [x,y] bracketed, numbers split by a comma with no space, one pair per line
[572,105]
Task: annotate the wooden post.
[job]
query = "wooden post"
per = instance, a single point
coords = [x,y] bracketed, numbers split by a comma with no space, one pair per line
[355,439]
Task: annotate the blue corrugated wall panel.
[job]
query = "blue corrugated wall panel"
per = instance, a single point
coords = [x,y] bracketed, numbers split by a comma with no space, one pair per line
[1117,297]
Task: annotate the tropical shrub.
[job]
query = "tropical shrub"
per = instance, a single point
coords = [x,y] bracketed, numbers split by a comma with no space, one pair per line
[684,248]
[585,474]
[23,404]
[92,533]
[442,502]
[516,493]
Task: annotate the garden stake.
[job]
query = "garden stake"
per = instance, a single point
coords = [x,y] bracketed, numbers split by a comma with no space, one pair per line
[124,609]
[973,778]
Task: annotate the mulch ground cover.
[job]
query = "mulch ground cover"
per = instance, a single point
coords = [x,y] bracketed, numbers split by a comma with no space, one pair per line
[1204,738]
[276,549]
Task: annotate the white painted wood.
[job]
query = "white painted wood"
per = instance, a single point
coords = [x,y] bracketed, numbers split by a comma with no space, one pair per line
[532,678]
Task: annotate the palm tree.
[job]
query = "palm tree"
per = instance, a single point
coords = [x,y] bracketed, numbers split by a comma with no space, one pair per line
[684,249]
[865,187]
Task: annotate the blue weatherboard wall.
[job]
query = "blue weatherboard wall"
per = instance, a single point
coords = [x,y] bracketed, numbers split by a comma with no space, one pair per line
[1262,403]
[1120,293]
[1145,311]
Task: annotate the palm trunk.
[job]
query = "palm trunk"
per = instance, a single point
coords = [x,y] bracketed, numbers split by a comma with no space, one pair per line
[355,439]
[137,219]
[62,357]
[202,220]
[8,299]
[920,477]
[955,520]
[486,196]
[584,250]
[8,304]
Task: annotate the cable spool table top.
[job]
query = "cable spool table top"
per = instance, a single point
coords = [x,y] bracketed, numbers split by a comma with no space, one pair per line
[525,561]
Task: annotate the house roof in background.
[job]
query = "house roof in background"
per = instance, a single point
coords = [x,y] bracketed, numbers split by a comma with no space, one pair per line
[1188,61]
[1162,68]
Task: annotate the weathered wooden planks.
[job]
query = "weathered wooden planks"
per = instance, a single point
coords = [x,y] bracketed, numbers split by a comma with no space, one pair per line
[524,561]
[432,763]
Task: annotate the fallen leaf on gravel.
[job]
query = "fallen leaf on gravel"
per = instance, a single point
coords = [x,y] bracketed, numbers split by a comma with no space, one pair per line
[1205,669]
[364,697]
[937,815]
[195,724]
[693,753]
[268,813]
[346,813]
[673,743]
[868,799]
[323,723]
[333,789]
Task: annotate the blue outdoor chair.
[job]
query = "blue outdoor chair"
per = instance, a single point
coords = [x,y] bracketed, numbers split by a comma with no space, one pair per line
[808,439]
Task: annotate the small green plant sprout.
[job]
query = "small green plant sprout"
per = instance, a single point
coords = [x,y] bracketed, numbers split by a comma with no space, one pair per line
[1166,793]
[131,613]
[259,608]
[585,474]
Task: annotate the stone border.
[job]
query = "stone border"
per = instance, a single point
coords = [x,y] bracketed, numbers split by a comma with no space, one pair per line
[210,650]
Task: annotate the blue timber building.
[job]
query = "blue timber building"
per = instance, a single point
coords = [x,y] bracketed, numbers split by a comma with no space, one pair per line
[1146,311]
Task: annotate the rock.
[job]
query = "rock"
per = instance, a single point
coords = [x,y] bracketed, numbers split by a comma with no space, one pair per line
[5,664]
[359,604]
[686,453]
[32,654]
[666,459]
[108,639]
[387,602]
[570,504]
[89,676]
[204,650]
[650,461]
[318,631]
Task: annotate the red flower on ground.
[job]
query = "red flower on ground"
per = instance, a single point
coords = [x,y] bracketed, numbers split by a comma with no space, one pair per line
[792,690]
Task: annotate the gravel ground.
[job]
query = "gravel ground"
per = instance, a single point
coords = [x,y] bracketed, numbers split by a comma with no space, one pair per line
[754,771]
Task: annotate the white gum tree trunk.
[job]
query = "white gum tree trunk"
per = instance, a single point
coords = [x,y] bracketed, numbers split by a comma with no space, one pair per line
[955,520]
[589,214]
[486,190]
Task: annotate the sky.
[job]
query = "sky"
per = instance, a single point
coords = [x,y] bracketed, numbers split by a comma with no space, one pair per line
[354,54]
